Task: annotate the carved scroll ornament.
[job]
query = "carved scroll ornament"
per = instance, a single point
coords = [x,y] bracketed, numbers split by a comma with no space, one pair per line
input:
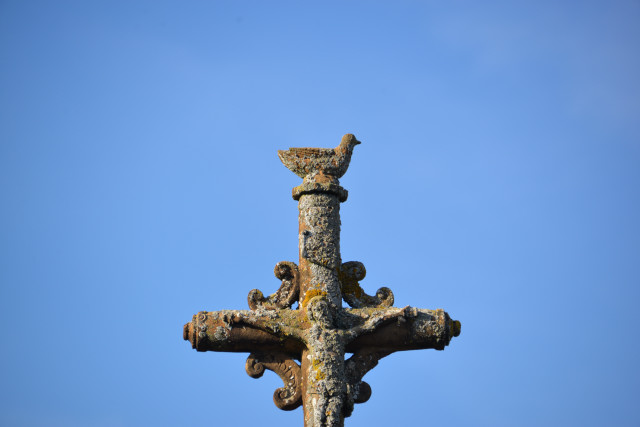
[285,296]
[288,397]
[350,274]
[356,367]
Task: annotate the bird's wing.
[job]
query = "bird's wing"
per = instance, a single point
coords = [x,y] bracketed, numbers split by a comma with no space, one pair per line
[315,152]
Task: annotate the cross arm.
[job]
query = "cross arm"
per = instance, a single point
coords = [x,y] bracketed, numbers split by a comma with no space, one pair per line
[395,329]
[244,331]
[372,334]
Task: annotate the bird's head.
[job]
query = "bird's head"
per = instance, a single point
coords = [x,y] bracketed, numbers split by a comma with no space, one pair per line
[349,140]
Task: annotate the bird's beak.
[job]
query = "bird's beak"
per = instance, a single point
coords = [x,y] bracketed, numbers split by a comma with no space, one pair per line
[356,142]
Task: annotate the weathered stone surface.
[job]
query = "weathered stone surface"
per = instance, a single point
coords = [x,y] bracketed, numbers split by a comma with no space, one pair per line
[288,293]
[319,332]
[320,164]
[288,397]
[350,275]
[319,219]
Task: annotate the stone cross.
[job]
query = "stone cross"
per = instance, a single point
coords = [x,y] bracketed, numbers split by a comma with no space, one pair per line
[306,346]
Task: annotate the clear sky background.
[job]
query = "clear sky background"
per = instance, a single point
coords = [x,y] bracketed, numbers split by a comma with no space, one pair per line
[497,178]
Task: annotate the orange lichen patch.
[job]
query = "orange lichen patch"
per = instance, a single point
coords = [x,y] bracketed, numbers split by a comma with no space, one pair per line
[322,178]
[312,293]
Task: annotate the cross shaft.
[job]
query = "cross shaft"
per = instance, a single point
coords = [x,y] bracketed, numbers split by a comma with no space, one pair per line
[319,332]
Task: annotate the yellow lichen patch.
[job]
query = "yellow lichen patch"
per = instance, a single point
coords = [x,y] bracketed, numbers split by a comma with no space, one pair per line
[352,288]
[312,293]
[316,366]
[349,285]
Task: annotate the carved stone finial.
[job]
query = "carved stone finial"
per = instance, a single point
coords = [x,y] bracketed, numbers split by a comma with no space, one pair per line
[320,167]
[324,164]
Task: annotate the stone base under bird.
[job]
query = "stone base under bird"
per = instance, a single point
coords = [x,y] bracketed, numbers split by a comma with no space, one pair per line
[332,162]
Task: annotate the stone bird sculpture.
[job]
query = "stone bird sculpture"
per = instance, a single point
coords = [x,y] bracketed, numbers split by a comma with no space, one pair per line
[332,162]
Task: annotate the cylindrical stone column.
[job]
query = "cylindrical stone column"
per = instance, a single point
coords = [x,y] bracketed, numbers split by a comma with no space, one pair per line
[319,247]
[319,198]
[322,362]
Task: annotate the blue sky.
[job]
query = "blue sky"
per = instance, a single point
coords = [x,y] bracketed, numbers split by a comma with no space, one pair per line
[497,179]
